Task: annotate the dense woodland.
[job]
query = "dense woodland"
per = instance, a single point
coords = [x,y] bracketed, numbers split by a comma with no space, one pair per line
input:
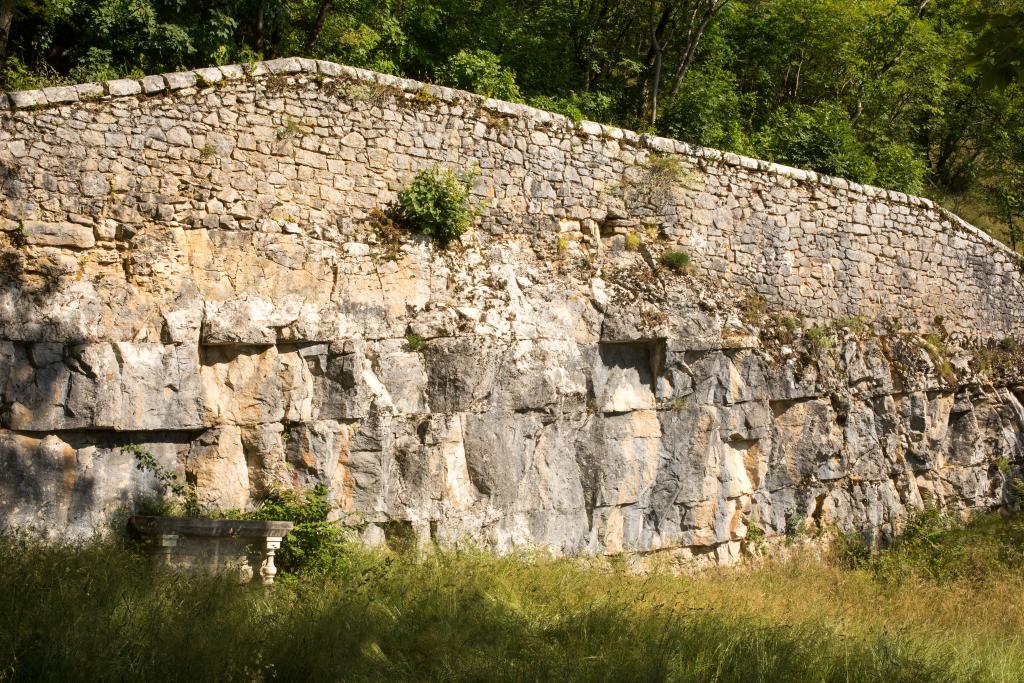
[923,96]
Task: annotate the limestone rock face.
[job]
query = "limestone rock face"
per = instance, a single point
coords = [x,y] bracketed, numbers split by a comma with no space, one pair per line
[216,292]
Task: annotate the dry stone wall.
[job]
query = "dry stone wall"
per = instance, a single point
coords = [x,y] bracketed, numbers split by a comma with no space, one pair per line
[194,265]
[323,145]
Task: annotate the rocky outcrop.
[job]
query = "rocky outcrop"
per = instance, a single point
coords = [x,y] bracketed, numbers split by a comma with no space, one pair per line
[194,267]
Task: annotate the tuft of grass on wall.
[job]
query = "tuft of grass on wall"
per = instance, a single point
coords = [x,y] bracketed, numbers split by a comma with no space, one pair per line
[676,261]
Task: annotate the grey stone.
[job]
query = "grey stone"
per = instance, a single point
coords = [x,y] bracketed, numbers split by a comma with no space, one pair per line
[94,184]
[60,94]
[232,71]
[59,235]
[180,80]
[209,76]
[27,99]
[120,88]
[89,91]
[153,84]
[329,68]
[179,136]
[286,65]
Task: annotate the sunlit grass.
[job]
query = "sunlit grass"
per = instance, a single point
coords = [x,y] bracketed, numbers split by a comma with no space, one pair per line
[946,607]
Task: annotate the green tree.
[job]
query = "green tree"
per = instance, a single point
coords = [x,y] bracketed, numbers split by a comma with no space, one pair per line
[821,138]
[707,110]
[481,72]
[998,51]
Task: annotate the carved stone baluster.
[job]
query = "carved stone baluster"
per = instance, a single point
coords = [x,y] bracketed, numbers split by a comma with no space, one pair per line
[269,571]
[166,543]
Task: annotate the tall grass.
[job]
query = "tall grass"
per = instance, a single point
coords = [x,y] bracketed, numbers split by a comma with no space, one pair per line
[100,612]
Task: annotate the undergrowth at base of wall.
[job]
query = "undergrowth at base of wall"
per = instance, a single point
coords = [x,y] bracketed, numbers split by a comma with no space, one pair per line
[101,612]
[313,546]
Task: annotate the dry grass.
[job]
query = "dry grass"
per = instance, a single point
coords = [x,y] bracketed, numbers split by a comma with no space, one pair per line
[945,606]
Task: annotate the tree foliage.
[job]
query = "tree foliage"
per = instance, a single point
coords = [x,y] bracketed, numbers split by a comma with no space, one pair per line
[481,72]
[917,95]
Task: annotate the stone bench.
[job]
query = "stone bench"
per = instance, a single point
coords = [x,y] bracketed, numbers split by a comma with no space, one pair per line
[198,543]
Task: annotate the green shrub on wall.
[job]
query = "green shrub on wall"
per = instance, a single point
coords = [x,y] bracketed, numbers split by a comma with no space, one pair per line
[436,203]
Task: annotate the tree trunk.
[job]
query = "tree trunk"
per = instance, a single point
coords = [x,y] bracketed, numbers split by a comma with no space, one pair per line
[655,84]
[693,37]
[6,18]
[660,34]
[314,36]
[261,41]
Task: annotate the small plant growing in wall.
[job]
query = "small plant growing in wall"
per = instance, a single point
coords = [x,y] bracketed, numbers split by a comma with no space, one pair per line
[388,234]
[936,344]
[19,236]
[423,98]
[9,168]
[659,177]
[755,536]
[633,241]
[676,261]
[856,324]
[415,342]
[436,203]
[796,529]
[754,309]
[184,501]
[289,129]
[820,337]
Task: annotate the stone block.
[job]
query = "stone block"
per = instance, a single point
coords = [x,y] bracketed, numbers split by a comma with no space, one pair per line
[329,68]
[89,91]
[27,99]
[287,65]
[242,385]
[232,71]
[122,87]
[180,80]
[60,94]
[123,386]
[217,464]
[59,235]
[152,85]
[208,76]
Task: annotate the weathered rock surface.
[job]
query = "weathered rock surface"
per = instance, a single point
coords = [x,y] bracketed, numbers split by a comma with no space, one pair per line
[197,273]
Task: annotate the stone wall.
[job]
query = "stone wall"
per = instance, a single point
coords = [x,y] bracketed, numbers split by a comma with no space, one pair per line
[192,266]
[295,142]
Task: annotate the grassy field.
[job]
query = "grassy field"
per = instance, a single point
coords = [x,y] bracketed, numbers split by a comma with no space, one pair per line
[946,605]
